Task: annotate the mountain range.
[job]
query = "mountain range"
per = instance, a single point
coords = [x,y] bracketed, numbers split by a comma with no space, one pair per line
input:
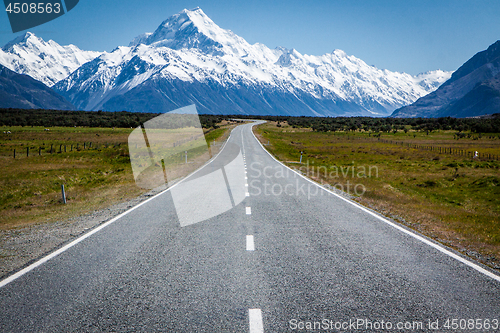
[189,59]
[47,62]
[472,90]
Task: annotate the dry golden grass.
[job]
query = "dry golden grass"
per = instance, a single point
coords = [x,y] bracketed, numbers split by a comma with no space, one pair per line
[451,198]
[94,178]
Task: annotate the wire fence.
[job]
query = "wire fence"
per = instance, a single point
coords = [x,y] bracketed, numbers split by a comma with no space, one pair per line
[33,150]
[445,150]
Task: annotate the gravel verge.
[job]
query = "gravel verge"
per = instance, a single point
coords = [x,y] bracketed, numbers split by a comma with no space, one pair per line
[23,246]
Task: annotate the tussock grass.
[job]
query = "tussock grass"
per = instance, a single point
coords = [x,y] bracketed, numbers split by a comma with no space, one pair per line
[451,198]
[93,178]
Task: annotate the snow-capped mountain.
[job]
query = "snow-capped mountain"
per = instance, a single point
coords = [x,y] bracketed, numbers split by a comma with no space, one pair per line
[189,59]
[47,62]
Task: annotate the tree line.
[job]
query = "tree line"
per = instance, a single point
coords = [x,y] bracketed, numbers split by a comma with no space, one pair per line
[124,119]
[376,125]
[62,118]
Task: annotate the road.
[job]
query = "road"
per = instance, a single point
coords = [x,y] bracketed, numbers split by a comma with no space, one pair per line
[283,255]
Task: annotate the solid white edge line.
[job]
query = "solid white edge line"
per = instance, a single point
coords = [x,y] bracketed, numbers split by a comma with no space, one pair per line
[255,321]
[39,262]
[250,243]
[406,231]
[73,243]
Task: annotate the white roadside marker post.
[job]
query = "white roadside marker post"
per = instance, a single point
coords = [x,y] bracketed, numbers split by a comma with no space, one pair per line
[63,194]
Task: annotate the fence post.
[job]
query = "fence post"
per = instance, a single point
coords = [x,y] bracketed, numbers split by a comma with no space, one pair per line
[14,153]
[27,151]
[63,194]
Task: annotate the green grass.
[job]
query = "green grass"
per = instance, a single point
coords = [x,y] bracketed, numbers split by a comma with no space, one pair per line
[214,135]
[451,198]
[94,178]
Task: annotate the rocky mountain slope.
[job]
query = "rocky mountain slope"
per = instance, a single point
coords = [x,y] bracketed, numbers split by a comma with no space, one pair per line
[22,91]
[473,90]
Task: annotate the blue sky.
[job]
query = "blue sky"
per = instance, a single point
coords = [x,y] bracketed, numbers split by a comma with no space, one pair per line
[410,36]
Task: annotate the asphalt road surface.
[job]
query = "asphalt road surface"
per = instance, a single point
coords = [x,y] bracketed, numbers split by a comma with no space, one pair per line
[276,253]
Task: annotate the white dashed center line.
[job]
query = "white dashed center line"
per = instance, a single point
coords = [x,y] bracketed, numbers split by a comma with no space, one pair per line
[250,243]
[255,321]
[254,315]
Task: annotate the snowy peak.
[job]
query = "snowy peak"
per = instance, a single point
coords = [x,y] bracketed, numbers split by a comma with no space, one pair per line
[47,62]
[339,53]
[288,57]
[187,29]
[431,80]
[193,29]
[141,39]
[22,40]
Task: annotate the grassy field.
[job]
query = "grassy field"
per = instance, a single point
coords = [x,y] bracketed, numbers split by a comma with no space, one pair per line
[452,198]
[92,163]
